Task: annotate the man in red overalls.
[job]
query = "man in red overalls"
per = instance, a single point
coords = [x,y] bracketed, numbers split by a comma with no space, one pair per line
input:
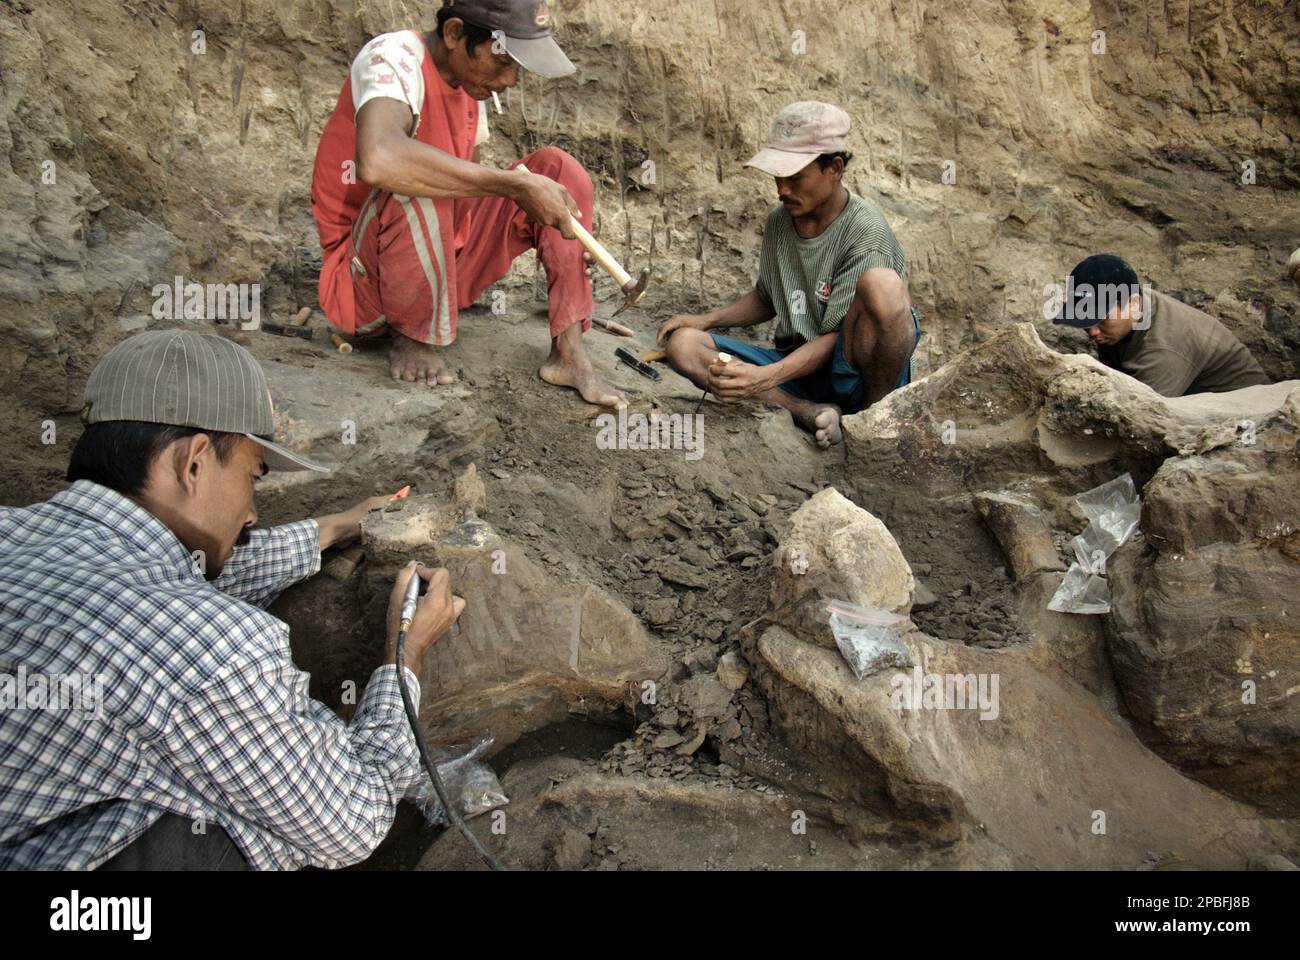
[412,228]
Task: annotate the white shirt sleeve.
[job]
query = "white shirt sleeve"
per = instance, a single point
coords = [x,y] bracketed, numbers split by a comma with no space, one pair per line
[483,132]
[390,66]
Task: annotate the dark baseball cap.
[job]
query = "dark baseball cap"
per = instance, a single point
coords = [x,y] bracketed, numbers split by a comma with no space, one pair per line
[524,29]
[1094,287]
[187,379]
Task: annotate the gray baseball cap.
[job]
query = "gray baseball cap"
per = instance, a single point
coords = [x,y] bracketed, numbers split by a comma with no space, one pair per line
[525,32]
[187,379]
[800,134]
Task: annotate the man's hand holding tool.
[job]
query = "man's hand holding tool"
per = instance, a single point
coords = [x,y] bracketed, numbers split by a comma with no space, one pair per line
[414,625]
[427,618]
[546,201]
[633,290]
[732,379]
[719,364]
[338,528]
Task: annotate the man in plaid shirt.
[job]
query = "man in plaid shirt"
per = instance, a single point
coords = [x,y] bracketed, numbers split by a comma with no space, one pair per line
[145,580]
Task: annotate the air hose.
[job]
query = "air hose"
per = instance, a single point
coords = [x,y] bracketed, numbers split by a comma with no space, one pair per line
[409,602]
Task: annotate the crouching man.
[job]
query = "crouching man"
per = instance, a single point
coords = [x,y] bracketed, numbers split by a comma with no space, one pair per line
[146,575]
[831,271]
[413,229]
[1173,348]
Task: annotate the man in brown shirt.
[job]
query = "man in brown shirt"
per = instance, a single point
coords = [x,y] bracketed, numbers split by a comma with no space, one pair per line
[1173,348]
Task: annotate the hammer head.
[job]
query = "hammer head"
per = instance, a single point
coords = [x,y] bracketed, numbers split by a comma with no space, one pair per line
[633,291]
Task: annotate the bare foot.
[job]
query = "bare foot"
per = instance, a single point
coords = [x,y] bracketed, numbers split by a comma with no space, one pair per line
[822,420]
[416,362]
[576,372]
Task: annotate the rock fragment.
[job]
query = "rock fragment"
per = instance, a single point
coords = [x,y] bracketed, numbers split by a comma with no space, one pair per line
[836,550]
[1021,532]
[732,671]
[705,697]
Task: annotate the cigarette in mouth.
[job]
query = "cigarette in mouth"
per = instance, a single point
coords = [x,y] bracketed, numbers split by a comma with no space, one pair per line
[496,100]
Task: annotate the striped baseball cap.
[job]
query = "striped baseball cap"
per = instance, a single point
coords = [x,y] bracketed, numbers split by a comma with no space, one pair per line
[187,379]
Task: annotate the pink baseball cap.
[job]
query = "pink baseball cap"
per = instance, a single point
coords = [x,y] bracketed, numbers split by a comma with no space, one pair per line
[800,134]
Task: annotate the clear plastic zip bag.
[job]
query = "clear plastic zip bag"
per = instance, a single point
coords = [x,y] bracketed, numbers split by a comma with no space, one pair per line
[469,782]
[1081,592]
[868,639]
[1113,511]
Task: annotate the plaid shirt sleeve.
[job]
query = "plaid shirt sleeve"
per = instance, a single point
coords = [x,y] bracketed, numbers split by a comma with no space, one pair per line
[272,560]
[253,740]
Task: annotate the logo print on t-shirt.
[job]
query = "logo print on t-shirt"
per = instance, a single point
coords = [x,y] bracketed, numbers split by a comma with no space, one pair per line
[823,290]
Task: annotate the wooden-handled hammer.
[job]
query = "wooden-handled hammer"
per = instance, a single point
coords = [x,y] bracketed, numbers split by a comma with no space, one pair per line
[633,290]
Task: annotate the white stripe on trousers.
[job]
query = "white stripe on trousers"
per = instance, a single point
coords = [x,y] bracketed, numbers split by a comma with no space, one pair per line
[441,308]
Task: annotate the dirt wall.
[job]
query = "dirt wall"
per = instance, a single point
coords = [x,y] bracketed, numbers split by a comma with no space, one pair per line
[1004,139]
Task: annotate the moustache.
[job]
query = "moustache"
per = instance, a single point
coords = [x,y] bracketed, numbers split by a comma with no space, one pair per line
[245,533]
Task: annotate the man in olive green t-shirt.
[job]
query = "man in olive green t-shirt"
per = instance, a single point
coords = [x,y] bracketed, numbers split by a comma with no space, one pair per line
[1173,348]
[831,271]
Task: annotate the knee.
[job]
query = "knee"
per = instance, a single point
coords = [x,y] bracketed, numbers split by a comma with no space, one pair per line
[562,166]
[554,159]
[550,158]
[684,343]
[865,303]
[880,299]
